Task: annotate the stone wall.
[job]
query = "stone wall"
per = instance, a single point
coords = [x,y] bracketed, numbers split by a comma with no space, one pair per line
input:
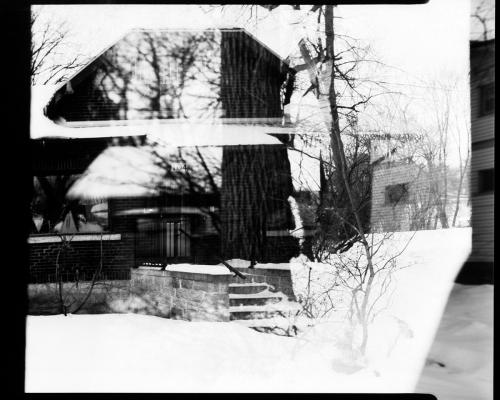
[183,295]
[43,298]
[191,296]
[169,294]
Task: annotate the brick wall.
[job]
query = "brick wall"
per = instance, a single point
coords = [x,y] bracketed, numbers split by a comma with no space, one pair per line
[81,257]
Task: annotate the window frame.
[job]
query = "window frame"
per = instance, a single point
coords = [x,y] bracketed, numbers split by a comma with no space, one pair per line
[485,106]
[403,198]
[486,181]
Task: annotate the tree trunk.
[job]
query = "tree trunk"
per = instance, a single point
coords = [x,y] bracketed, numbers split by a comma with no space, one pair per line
[256,184]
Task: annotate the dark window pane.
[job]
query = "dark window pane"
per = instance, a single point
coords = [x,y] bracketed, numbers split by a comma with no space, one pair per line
[486,180]
[395,194]
[487,99]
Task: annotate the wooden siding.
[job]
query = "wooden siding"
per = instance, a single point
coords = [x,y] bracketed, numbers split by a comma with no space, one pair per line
[483,156]
[481,159]
[483,227]
[482,73]
[482,127]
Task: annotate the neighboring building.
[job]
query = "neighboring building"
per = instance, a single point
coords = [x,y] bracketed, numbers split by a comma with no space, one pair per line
[400,189]
[407,194]
[147,142]
[394,181]
[403,195]
[479,268]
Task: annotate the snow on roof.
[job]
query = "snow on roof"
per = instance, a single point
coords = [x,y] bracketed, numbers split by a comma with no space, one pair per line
[117,172]
[122,171]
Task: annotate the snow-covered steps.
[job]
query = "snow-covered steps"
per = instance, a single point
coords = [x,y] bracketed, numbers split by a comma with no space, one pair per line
[258,301]
[261,298]
[248,288]
[283,309]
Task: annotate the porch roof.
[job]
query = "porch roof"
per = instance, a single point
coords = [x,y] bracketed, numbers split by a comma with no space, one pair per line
[128,171]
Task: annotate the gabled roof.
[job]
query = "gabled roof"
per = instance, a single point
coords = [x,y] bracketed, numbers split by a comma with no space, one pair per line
[94,59]
[45,96]
[144,49]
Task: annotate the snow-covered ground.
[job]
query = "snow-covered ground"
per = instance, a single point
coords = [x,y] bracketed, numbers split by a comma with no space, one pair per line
[135,353]
[460,362]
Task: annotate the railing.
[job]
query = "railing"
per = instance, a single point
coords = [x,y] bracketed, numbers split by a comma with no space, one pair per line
[163,241]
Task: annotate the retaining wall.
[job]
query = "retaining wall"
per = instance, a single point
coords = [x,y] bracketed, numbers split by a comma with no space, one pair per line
[43,298]
[192,296]
[183,295]
[169,294]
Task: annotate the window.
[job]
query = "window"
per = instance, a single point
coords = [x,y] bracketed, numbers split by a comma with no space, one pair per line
[486,181]
[52,212]
[395,194]
[163,239]
[487,99]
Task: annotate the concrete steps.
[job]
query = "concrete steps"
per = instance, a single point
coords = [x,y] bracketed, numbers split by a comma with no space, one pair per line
[248,288]
[256,301]
[245,312]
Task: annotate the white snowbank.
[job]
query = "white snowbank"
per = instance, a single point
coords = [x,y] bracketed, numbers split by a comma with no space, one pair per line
[401,336]
[460,362]
[135,353]
[132,353]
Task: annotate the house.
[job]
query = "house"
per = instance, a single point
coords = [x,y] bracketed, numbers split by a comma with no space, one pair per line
[407,194]
[168,147]
[479,267]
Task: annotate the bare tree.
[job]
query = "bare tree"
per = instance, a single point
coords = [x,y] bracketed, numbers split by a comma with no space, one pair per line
[483,16]
[49,50]
[340,94]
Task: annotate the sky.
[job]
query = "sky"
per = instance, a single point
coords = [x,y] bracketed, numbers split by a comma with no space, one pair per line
[420,39]
[423,46]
